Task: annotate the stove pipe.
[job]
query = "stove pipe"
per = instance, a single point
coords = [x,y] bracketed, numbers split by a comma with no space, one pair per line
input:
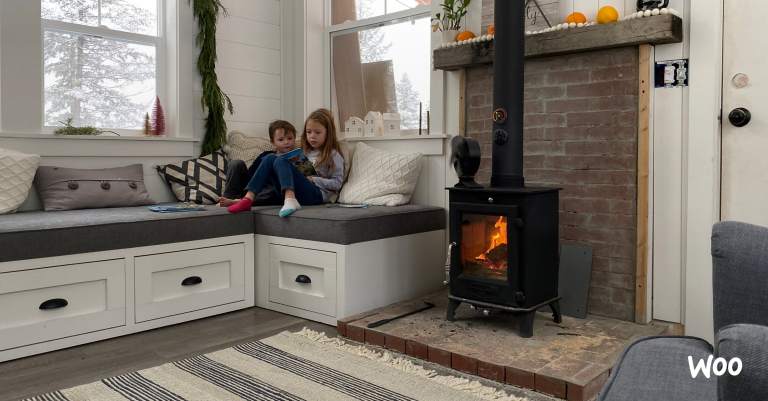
[508,76]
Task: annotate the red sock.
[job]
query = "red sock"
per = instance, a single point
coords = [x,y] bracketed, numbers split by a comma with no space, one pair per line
[241,206]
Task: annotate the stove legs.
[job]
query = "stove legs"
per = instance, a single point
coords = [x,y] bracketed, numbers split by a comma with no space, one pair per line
[555,306]
[525,317]
[526,324]
[451,312]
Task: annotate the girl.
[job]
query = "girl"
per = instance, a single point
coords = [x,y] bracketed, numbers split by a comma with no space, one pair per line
[321,146]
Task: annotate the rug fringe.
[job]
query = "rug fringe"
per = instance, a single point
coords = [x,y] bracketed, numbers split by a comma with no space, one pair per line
[474,387]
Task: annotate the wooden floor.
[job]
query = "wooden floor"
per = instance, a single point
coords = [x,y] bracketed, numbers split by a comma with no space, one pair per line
[87,363]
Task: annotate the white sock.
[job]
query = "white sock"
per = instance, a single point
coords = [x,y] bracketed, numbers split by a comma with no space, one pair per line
[289,206]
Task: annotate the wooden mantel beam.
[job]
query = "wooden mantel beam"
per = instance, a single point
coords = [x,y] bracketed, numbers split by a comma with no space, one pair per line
[660,29]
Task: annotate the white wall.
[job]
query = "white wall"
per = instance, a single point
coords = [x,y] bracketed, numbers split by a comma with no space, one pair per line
[670,130]
[702,189]
[250,63]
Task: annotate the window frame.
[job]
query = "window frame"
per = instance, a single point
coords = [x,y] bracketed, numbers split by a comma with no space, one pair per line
[334,30]
[159,42]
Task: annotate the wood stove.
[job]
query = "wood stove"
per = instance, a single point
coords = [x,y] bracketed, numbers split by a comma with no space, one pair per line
[504,249]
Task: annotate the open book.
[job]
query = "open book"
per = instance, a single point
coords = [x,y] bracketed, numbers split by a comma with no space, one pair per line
[300,161]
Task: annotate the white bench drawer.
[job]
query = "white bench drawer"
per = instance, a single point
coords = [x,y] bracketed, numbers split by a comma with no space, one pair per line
[56,302]
[172,283]
[303,278]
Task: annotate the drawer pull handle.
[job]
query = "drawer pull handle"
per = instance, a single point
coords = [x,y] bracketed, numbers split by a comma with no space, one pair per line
[194,280]
[303,279]
[55,303]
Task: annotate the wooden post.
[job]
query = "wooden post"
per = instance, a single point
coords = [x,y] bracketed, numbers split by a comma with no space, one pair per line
[643,143]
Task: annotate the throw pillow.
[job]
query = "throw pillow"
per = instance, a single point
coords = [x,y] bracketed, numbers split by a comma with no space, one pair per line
[379,177]
[347,151]
[70,188]
[17,170]
[198,180]
[246,148]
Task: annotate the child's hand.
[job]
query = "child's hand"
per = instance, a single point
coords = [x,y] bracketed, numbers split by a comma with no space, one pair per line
[311,178]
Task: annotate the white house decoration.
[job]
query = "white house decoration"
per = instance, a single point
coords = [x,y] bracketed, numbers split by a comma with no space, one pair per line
[391,123]
[374,124]
[354,127]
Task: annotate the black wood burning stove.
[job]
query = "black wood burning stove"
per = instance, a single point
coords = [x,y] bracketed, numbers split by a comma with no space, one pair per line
[504,248]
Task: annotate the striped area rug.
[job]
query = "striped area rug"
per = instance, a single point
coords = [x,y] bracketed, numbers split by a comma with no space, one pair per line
[286,367]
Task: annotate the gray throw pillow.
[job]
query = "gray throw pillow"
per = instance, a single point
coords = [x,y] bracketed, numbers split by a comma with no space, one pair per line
[69,188]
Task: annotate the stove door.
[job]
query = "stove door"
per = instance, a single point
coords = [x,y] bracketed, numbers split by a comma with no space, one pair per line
[485,259]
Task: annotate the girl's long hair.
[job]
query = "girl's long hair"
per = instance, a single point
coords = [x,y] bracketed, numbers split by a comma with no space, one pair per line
[324,118]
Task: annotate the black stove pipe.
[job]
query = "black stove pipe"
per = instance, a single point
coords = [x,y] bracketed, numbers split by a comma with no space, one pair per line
[508,76]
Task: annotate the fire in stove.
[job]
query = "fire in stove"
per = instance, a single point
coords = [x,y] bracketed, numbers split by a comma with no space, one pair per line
[495,257]
[485,246]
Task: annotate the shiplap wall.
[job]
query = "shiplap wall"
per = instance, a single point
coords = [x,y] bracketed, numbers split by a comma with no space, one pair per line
[249,42]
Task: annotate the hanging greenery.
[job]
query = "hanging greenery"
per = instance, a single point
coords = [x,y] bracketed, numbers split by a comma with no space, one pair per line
[214,99]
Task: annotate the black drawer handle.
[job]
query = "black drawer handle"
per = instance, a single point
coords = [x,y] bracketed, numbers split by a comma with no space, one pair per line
[303,279]
[54,303]
[194,280]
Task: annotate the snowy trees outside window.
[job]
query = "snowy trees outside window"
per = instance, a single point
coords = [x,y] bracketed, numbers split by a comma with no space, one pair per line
[100,61]
[384,66]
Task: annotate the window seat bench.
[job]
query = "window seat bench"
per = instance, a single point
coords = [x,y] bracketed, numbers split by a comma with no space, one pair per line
[72,277]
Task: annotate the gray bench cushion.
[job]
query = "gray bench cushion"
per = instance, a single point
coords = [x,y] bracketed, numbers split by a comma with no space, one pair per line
[349,226]
[32,235]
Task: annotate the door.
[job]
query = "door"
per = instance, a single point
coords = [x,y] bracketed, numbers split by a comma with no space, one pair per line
[745,113]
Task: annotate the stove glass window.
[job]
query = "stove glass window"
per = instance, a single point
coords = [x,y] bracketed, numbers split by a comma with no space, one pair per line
[484,246]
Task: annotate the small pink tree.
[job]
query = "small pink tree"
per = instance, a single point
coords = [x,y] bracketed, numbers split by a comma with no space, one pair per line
[158,118]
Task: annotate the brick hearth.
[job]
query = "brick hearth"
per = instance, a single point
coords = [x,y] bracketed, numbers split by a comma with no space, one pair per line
[571,360]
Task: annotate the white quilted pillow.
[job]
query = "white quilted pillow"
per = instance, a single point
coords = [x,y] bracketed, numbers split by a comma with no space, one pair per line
[379,177]
[17,170]
[246,148]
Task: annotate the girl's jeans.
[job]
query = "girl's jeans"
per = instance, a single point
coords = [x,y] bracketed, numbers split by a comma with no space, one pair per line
[281,173]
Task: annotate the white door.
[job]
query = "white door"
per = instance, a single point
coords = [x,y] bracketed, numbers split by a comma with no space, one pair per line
[745,86]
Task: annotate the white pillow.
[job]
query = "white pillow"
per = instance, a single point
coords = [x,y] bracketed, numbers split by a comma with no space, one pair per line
[17,170]
[246,148]
[379,177]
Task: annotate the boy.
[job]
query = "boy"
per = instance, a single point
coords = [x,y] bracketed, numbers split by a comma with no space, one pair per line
[282,134]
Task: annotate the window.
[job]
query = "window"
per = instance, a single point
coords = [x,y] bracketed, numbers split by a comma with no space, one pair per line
[100,61]
[381,59]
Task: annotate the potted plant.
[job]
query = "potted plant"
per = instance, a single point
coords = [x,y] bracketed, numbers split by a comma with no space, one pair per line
[449,20]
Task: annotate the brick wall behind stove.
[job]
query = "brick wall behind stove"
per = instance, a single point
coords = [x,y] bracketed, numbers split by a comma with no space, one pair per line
[581,135]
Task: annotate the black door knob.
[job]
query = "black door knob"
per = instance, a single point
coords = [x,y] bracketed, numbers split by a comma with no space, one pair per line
[739,117]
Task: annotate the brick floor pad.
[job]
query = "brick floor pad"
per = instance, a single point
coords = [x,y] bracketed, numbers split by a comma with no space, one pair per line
[569,360]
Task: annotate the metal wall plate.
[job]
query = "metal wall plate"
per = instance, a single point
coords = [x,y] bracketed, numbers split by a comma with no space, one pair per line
[574,277]
[671,73]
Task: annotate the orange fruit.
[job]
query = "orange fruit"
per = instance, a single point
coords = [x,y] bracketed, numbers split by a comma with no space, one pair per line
[576,17]
[607,14]
[491,29]
[464,35]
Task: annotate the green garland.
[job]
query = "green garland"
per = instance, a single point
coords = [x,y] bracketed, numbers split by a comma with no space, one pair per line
[214,99]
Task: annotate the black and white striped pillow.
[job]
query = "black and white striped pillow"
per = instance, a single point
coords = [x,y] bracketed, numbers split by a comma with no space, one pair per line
[200,180]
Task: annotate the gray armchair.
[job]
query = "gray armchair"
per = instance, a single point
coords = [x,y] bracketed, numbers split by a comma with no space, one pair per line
[656,368]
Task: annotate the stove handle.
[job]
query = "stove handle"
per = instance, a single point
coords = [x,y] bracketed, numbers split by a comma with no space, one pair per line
[449,262]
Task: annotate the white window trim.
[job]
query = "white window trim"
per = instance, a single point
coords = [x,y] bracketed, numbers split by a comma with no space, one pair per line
[377,21]
[436,79]
[161,57]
